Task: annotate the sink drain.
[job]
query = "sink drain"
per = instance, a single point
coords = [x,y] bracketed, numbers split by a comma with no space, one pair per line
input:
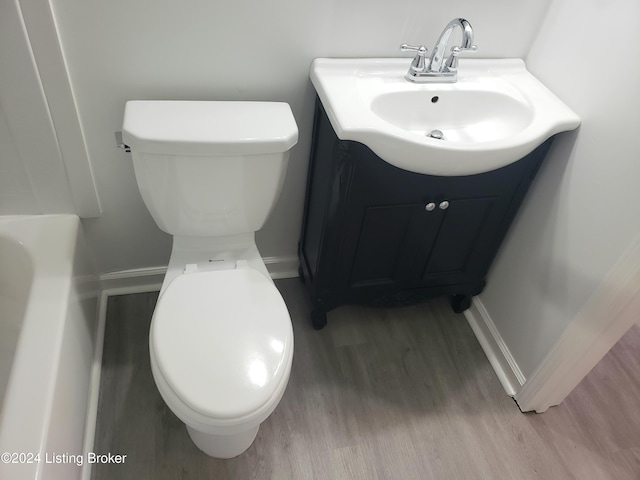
[437,134]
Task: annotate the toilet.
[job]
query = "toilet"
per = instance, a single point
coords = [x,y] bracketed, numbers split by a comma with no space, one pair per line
[221,341]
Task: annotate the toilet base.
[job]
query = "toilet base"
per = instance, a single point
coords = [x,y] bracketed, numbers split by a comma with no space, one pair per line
[223,446]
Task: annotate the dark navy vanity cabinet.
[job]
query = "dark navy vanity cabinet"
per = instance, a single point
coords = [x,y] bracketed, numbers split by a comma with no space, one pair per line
[379,235]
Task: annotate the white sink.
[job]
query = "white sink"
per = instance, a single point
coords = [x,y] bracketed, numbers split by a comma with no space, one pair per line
[495,114]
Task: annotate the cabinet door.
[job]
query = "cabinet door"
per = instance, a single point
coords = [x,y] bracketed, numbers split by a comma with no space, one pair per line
[465,240]
[387,238]
[382,227]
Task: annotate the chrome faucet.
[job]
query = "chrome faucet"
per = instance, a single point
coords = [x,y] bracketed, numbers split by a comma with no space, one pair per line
[436,69]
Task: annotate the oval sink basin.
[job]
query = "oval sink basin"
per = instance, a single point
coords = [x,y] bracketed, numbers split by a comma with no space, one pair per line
[494,115]
[461,116]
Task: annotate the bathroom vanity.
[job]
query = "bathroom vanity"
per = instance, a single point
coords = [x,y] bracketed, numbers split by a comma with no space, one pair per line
[377,234]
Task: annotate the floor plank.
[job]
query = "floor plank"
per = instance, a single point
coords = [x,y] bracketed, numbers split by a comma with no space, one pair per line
[378,394]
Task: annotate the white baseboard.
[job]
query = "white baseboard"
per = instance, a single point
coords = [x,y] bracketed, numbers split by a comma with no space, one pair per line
[149,279]
[496,350]
[133,281]
[94,386]
[282,267]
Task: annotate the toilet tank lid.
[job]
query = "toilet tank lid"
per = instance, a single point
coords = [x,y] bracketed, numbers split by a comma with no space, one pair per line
[208,127]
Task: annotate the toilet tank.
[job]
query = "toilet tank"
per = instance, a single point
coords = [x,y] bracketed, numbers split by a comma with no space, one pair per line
[209,168]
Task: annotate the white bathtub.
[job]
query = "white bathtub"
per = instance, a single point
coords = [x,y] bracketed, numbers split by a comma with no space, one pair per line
[48,318]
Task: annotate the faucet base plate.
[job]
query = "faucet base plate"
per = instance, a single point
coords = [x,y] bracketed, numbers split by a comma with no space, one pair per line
[432,77]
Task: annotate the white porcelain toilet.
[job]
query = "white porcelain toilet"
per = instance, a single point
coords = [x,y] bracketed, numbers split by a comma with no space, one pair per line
[221,341]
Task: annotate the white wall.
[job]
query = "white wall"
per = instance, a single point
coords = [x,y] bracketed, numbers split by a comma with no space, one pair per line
[16,193]
[584,208]
[245,49]
[32,172]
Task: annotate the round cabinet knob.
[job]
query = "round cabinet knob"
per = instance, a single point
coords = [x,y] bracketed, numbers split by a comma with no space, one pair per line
[429,207]
[444,205]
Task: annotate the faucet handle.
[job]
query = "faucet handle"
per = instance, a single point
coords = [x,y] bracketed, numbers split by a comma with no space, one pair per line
[456,50]
[413,48]
[419,62]
[451,64]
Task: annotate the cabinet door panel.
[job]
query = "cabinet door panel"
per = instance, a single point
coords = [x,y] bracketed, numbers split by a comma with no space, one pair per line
[385,237]
[463,238]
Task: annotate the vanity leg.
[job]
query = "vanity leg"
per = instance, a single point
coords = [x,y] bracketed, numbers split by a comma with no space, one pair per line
[460,302]
[318,318]
[480,288]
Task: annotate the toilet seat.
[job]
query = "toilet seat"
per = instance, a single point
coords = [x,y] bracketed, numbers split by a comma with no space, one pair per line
[223,341]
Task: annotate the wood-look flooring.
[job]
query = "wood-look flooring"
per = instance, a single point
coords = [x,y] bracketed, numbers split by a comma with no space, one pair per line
[404,393]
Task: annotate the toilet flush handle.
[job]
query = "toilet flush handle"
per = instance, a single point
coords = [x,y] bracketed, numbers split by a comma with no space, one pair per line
[120,143]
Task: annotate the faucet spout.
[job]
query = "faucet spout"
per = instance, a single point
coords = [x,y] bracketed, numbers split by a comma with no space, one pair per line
[436,61]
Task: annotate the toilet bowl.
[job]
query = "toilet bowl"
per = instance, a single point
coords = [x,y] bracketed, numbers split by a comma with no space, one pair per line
[221,347]
[221,341]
